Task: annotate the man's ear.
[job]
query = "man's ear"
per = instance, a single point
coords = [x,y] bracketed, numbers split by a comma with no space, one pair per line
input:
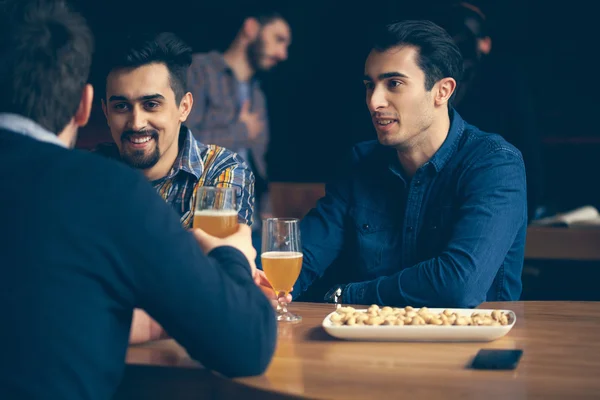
[251,28]
[445,88]
[84,110]
[485,45]
[185,106]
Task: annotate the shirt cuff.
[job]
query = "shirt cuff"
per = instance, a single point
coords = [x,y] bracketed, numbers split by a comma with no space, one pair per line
[389,291]
[360,293]
[384,291]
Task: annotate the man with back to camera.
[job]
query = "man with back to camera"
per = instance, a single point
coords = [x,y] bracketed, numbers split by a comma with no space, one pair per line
[88,239]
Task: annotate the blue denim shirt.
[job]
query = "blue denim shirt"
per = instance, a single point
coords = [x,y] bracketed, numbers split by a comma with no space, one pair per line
[451,236]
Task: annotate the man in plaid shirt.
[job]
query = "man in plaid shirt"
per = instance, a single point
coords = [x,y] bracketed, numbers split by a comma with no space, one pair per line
[145,105]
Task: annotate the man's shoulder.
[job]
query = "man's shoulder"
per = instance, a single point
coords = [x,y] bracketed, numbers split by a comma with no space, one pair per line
[108,150]
[212,58]
[481,143]
[219,155]
[68,169]
[57,158]
[96,166]
[104,183]
[214,155]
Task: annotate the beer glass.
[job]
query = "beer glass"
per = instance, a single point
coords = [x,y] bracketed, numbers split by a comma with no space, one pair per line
[216,210]
[281,259]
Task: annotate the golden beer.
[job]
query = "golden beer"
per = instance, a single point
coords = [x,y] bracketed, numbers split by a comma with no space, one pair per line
[219,223]
[282,269]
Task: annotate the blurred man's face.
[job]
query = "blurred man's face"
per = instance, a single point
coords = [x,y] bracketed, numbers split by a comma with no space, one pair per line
[271,45]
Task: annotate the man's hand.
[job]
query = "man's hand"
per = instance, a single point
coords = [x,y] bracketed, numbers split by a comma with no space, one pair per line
[252,120]
[241,240]
[263,283]
[144,328]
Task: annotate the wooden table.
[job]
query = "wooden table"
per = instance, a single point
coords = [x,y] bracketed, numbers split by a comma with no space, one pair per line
[549,243]
[561,359]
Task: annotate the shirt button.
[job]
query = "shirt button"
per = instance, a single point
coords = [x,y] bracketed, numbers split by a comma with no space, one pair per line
[365,226]
[409,228]
[417,182]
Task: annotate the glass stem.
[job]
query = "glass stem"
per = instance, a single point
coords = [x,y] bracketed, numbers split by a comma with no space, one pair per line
[281,305]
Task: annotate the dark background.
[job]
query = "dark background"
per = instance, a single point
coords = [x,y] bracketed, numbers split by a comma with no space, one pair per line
[316,98]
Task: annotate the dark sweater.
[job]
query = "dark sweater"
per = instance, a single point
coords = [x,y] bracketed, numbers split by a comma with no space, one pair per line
[84,241]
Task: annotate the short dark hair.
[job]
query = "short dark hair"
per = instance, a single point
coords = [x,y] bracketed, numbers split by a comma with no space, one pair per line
[438,56]
[45,57]
[265,13]
[265,17]
[462,19]
[148,48]
[471,17]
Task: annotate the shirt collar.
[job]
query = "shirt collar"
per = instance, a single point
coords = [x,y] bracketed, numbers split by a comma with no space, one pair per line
[218,61]
[445,152]
[24,126]
[189,158]
[441,156]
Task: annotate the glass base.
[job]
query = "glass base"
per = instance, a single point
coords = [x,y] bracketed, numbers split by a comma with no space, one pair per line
[288,317]
[283,314]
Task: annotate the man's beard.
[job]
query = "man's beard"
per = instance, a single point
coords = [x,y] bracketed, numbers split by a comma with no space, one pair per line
[138,158]
[256,52]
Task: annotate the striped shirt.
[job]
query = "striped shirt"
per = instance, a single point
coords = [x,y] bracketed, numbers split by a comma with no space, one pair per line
[198,165]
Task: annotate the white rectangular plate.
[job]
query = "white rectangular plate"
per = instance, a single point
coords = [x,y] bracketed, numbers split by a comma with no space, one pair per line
[424,333]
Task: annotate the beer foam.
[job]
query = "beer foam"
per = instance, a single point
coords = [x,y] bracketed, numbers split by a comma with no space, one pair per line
[216,213]
[281,254]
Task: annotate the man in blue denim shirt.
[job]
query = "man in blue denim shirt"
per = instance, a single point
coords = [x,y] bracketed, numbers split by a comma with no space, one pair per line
[434,213]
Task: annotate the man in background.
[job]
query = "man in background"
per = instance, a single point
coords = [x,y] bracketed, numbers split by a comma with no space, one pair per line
[230,108]
[495,93]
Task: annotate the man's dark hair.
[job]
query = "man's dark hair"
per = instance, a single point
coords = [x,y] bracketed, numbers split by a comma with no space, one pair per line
[149,48]
[466,16]
[45,58]
[265,16]
[264,13]
[438,56]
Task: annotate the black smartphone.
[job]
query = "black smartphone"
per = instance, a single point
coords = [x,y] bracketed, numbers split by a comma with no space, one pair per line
[496,359]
